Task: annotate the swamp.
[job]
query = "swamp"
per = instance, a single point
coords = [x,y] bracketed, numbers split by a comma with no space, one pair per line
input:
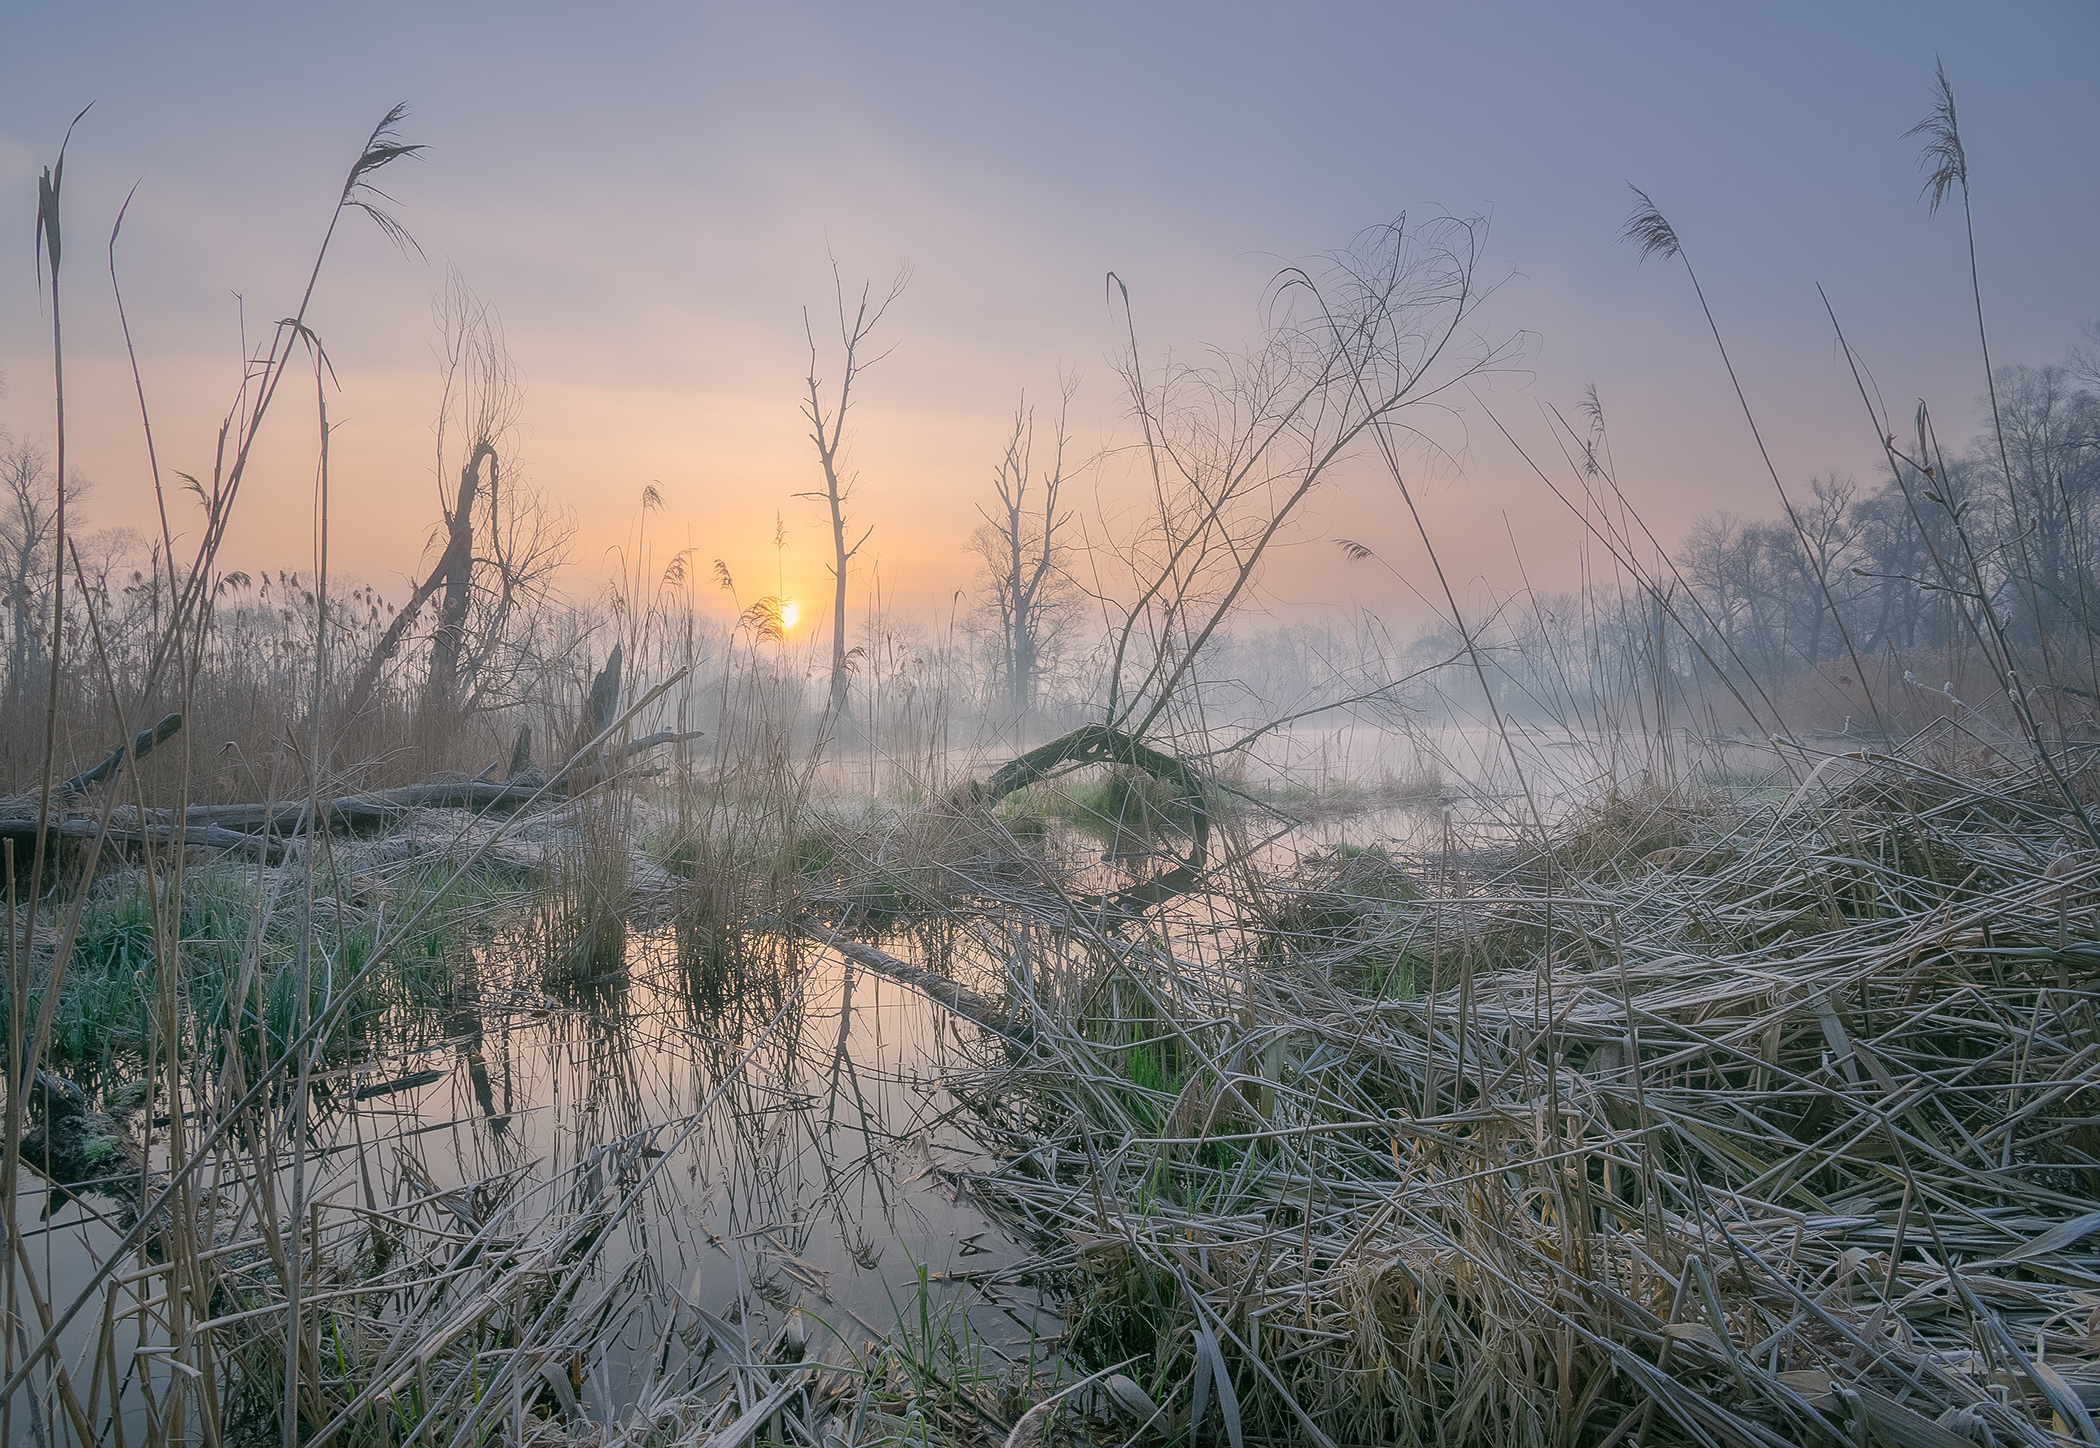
[495,1009]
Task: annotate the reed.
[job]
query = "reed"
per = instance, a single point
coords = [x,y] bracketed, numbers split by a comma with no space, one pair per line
[1688,1152]
[1561,1069]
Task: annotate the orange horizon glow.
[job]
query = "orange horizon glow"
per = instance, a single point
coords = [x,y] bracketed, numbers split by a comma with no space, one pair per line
[662,329]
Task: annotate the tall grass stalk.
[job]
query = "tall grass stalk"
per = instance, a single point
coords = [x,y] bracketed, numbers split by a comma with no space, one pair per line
[1654,234]
[21,1063]
[1607,1102]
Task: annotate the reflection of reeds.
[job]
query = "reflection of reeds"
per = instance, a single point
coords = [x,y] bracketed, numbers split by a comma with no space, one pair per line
[1693,1115]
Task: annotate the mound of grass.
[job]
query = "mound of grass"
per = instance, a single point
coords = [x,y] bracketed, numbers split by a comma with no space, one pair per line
[1117,805]
[236,975]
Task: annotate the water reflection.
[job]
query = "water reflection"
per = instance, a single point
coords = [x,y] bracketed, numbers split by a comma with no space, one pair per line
[463,1025]
[782,1113]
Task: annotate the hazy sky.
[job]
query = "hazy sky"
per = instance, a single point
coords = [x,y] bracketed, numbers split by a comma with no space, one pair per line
[649,195]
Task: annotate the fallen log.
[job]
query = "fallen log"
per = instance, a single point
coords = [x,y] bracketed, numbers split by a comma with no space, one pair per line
[237,826]
[373,808]
[1104,744]
[138,748]
[160,832]
[240,826]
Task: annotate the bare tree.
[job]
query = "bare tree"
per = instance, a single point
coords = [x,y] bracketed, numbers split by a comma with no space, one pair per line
[28,525]
[27,516]
[1028,595]
[1826,529]
[1720,566]
[1232,451]
[480,408]
[499,541]
[1781,595]
[2049,432]
[826,413]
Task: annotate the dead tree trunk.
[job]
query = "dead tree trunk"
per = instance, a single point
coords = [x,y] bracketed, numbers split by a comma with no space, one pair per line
[603,705]
[456,568]
[454,574]
[827,421]
[1023,559]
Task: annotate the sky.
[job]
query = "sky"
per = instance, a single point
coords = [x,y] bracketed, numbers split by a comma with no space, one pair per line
[651,195]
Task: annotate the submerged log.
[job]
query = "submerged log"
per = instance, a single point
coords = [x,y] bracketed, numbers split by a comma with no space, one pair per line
[958,998]
[79,1149]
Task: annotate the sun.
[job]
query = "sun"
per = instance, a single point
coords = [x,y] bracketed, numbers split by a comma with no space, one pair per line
[789,613]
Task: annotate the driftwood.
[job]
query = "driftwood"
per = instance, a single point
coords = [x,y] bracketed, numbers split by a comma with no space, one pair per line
[990,1014]
[1103,744]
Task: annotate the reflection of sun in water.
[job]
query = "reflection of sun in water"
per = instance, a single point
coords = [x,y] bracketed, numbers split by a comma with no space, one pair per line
[789,613]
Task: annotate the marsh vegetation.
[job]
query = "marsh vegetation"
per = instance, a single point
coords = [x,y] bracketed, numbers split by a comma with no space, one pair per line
[1664,1014]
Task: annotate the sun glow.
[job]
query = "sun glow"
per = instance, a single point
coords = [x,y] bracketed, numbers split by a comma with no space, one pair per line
[788,614]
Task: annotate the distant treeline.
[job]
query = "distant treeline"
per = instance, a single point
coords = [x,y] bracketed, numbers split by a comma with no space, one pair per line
[1885,600]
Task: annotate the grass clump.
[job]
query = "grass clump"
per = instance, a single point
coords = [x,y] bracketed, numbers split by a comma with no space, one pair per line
[235,974]
[1126,809]
[1707,1131]
[1345,915]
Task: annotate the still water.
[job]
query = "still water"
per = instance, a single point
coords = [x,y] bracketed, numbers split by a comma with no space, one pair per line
[781,1130]
[783,1139]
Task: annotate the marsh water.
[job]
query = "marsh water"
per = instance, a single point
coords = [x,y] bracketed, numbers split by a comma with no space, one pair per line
[782,1136]
[780,1126]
